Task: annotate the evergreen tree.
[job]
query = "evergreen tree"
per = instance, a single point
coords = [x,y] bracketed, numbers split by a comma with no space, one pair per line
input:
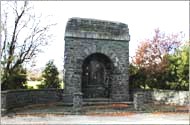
[50,76]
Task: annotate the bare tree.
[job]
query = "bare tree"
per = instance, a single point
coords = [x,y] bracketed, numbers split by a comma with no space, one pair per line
[22,40]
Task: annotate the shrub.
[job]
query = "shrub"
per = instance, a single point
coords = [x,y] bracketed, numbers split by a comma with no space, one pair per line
[50,76]
[16,79]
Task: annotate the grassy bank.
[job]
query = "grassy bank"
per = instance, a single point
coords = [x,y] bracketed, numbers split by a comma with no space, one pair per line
[33,84]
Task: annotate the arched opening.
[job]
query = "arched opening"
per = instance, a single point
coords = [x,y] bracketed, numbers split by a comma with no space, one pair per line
[96,76]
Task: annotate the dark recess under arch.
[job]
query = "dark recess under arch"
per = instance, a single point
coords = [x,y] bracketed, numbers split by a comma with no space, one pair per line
[96,76]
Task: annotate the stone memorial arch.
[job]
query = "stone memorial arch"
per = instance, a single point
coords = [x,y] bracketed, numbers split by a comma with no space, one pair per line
[96,59]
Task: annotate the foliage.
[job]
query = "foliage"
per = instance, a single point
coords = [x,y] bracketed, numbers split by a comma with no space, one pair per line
[51,76]
[136,77]
[151,52]
[156,60]
[178,70]
[23,35]
[16,80]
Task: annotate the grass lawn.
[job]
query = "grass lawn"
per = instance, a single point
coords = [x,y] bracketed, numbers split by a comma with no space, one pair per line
[35,83]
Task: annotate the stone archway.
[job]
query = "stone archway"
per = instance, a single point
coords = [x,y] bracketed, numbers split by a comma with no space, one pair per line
[91,42]
[96,76]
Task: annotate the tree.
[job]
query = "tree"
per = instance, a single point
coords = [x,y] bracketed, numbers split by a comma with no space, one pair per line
[178,75]
[18,79]
[50,76]
[137,77]
[151,57]
[23,37]
[152,52]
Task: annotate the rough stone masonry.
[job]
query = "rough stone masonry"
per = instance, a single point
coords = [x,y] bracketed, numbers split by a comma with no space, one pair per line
[96,59]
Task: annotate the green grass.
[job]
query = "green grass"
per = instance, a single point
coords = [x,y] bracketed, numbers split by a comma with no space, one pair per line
[62,85]
[33,84]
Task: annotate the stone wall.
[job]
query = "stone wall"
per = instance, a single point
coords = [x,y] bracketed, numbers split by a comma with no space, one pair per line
[165,96]
[18,98]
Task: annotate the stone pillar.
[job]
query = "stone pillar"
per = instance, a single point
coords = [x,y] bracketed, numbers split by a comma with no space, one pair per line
[77,102]
[138,99]
[3,103]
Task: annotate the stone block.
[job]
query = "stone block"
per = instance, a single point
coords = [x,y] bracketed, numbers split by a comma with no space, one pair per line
[139,101]
[77,102]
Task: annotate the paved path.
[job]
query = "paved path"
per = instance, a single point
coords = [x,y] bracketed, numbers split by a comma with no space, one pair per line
[145,118]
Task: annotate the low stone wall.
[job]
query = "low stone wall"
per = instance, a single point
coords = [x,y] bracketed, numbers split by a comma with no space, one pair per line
[165,96]
[18,98]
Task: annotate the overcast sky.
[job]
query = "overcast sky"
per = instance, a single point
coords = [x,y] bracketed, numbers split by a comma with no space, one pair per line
[142,18]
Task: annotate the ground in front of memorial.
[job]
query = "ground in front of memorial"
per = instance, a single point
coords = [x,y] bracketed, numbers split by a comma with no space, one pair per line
[97,114]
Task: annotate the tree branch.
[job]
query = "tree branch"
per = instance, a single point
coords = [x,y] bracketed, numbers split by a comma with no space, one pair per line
[4,27]
[13,41]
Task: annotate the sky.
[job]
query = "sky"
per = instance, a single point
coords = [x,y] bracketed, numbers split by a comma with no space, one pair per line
[142,18]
